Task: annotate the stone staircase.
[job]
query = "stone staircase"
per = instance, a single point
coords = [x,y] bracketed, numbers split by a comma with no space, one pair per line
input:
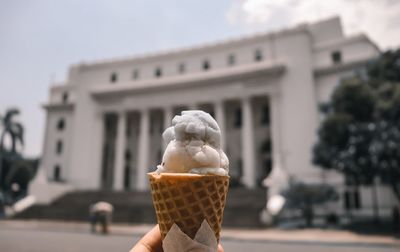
[242,209]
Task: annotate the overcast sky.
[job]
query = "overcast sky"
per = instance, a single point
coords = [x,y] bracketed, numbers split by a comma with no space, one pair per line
[40,39]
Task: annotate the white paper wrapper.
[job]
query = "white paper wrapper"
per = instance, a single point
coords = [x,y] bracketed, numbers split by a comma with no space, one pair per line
[177,241]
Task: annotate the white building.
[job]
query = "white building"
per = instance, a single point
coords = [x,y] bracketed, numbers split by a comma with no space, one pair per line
[104,124]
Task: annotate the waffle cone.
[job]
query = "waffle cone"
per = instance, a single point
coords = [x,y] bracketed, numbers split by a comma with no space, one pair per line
[187,200]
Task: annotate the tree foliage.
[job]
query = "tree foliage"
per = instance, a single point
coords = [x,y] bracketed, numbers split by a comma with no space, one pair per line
[305,197]
[360,133]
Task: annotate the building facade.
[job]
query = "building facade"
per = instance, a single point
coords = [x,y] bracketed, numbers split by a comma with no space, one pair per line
[104,124]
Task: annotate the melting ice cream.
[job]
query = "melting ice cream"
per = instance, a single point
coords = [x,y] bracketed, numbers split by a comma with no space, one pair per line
[194,145]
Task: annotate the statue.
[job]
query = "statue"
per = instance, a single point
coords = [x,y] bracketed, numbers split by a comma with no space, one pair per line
[15,171]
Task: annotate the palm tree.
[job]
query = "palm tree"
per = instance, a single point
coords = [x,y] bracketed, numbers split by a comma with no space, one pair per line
[15,130]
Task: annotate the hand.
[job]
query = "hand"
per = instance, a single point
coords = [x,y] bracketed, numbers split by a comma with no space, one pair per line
[151,242]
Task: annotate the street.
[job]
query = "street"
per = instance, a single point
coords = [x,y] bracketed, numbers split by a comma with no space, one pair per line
[21,240]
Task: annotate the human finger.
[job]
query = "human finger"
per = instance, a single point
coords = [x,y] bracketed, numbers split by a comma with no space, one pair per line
[150,242]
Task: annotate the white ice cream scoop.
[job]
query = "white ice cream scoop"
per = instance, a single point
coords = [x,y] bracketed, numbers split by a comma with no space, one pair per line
[194,141]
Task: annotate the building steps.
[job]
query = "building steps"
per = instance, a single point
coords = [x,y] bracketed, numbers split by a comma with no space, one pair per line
[242,209]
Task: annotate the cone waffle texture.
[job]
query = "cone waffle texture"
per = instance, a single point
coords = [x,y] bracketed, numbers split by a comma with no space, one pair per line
[188,199]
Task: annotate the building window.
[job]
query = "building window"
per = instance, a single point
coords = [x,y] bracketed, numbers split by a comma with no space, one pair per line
[153,122]
[356,198]
[128,155]
[266,158]
[347,200]
[128,130]
[158,72]
[231,60]
[135,74]
[264,119]
[65,97]
[160,128]
[352,199]
[181,68]
[237,122]
[159,156]
[267,163]
[240,168]
[258,55]
[113,77]
[61,124]
[59,147]
[57,173]
[206,65]
[336,57]
[127,178]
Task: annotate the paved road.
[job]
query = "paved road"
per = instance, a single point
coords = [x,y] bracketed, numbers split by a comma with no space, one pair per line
[17,240]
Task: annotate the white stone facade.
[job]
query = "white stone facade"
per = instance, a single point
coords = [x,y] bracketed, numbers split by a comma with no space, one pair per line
[263,90]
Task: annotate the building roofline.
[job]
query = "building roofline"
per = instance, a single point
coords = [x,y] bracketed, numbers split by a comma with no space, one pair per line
[344,41]
[372,42]
[58,106]
[60,86]
[150,56]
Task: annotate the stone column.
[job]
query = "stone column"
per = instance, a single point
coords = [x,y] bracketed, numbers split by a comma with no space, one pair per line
[168,115]
[119,152]
[220,117]
[274,105]
[248,156]
[98,145]
[278,178]
[143,150]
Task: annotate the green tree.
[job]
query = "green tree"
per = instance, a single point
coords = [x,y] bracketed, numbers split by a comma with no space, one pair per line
[360,134]
[305,197]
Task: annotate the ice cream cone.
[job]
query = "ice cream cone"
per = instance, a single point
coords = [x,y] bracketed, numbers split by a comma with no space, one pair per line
[187,200]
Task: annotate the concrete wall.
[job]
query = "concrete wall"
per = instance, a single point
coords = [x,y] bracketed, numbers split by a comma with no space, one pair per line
[298,104]
[352,49]
[87,138]
[50,158]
